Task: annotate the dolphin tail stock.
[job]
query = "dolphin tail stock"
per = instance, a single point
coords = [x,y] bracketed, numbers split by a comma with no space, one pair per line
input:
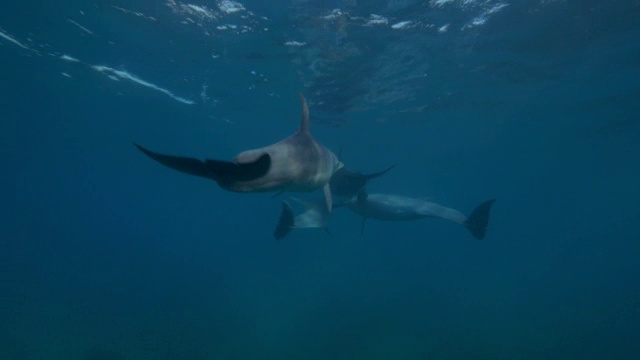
[477,222]
[286,222]
[223,172]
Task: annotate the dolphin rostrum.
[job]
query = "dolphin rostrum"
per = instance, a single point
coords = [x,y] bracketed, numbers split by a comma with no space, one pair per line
[297,164]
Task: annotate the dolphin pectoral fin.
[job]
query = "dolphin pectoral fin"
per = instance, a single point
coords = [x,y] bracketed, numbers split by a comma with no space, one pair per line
[347,183]
[226,172]
[327,196]
[379,173]
[477,222]
[187,165]
[278,194]
[285,223]
[220,171]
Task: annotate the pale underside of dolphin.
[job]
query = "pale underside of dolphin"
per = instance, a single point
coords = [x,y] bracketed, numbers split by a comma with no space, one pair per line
[315,216]
[296,164]
[388,207]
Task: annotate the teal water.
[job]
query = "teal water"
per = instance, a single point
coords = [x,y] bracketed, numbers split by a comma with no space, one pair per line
[105,254]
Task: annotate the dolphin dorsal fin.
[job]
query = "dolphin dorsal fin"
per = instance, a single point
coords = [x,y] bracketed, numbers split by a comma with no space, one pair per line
[304,124]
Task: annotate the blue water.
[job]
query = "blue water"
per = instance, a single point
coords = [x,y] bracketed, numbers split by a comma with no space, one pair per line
[106,254]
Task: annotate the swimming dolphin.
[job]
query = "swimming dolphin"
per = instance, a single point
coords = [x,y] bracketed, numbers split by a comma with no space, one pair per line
[298,164]
[316,216]
[399,208]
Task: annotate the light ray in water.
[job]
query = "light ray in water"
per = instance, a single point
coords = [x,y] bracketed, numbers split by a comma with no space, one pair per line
[81,27]
[14,41]
[66,57]
[127,76]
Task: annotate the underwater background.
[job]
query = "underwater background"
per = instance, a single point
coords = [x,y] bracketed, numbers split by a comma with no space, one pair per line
[105,254]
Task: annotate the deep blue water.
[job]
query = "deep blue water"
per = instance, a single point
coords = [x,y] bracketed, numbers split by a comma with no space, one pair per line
[107,255]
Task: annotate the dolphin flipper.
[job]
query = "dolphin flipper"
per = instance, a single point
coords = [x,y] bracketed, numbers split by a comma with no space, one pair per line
[477,222]
[285,223]
[184,164]
[379,173]
[278,194]
[220,171]
[347,183]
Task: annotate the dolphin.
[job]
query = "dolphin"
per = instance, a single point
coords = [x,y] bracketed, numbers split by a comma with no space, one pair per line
[315,216]
[398,208]
[297,164]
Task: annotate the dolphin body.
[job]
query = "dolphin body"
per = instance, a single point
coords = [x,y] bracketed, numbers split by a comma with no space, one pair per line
[297,164]
[388,207]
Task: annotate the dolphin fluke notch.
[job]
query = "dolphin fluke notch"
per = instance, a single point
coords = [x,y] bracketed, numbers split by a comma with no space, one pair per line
[477,222]
[286,222]
[223,172]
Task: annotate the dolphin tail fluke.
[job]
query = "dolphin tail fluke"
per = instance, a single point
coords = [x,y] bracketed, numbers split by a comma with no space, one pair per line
[477,222]
[285,223]
[223,172]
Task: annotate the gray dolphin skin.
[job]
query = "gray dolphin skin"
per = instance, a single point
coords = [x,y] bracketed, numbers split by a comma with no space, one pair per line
[388,207]
[297,164]
[315,216]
